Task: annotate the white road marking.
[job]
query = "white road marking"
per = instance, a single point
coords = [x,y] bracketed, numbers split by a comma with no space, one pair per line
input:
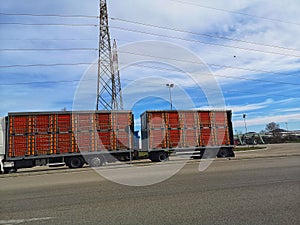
[11,222]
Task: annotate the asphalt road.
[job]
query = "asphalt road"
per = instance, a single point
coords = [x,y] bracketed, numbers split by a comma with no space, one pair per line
[245,190]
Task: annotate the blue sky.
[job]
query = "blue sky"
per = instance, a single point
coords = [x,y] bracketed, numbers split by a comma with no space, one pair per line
[255,65]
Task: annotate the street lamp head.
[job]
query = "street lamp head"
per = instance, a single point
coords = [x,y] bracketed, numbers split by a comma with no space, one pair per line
[170,85]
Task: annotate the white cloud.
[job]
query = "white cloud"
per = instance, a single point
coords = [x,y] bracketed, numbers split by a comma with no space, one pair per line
[263,120]
[289,110]
[250,107]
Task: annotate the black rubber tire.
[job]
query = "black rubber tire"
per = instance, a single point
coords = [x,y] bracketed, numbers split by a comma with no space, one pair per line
[96,161]
[223,153]
[158,156]
[10,170]
[75,162]
[162,157]
[151,157]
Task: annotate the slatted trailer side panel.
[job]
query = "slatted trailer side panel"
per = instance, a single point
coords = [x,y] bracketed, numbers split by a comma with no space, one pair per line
[179,130]
[61,134]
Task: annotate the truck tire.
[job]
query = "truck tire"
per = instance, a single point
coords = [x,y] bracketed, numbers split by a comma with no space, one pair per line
[162,157]
[75,162]
[96,161]
[223,153]
[158,156]
[10,170]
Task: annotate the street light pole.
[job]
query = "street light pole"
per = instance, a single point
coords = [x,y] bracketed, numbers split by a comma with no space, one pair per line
[244,116]
[170,86]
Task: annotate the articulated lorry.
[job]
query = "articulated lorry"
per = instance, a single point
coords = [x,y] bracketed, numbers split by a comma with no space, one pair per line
[96,137]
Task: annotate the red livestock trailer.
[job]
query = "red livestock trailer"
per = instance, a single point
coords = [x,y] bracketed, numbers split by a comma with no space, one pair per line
[71,138]
[164,132]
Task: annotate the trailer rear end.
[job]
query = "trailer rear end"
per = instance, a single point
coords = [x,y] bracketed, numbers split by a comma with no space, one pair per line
[190,132]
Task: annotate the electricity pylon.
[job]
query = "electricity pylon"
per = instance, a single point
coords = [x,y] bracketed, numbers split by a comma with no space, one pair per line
[118,103]
[109,94]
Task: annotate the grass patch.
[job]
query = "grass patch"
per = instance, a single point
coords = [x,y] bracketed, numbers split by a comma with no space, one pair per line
[237,149]
[298,141]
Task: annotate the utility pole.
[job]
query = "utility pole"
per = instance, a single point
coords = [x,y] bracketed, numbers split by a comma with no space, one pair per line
[244,117]
[109,95]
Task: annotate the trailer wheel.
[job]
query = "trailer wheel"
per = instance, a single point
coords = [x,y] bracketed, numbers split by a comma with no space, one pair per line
[75,162]
[158,156]
[10,170]
[162,157]
[223,153]
[96,161]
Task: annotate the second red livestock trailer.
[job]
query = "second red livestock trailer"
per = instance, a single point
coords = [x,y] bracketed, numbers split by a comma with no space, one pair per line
[164,132]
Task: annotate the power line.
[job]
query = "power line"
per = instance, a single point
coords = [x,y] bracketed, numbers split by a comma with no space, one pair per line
[155,57]
[46,82]
[80,49]
[46,65]
[130,80]
[145,24]
[166,36]
[219,75]
[49,49]
[40,82]
[172,37]
[178,38]
[234,12]
[199,34]
[162,69]
[207,43]
[48,39]
[161,27]
[48,15]
[224,91]
[209,64]
[51,24]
